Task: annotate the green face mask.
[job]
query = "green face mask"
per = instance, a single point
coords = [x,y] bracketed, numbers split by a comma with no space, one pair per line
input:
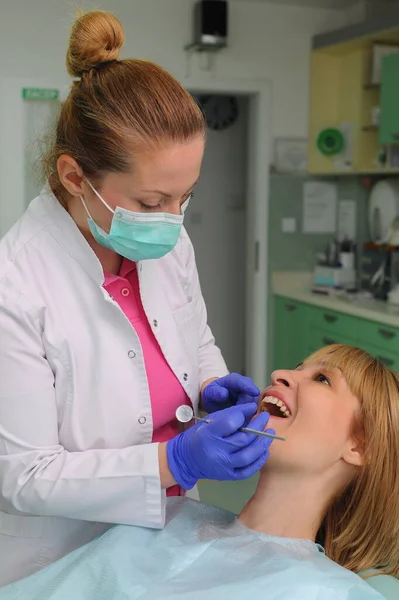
[135,235]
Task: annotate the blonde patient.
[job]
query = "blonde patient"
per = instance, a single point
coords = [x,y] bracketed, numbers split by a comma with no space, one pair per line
[335,481]
[339,467]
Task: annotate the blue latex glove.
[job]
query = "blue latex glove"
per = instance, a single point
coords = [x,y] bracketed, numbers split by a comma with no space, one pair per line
[228,391]
[217,450]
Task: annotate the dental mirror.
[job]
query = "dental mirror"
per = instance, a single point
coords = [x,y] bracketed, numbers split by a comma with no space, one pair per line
[185,414]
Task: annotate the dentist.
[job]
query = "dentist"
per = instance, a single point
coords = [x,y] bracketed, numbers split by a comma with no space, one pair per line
[103,328]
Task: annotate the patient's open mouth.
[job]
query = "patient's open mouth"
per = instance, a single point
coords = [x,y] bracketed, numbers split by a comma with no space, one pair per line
[275,407]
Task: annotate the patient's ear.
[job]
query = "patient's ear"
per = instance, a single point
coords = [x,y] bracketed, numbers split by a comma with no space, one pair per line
[353,453]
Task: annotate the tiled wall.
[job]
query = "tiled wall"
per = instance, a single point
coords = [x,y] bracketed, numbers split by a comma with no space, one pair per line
[297,251]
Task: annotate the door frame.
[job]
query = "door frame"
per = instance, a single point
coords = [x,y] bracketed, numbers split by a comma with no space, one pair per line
[12,141]
[259,93]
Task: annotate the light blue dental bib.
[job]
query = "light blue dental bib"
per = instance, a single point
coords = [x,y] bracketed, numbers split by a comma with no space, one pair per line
[203,553]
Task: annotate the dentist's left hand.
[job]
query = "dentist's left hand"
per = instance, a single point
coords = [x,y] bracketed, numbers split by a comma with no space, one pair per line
[228,391]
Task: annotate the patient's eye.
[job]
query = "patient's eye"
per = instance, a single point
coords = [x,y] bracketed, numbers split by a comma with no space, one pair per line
[322,378]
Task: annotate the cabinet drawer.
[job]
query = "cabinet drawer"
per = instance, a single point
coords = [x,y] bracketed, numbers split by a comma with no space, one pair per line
[337,324]
[389,359]
[319,338]
[290,328]
[286,306]
[379,335]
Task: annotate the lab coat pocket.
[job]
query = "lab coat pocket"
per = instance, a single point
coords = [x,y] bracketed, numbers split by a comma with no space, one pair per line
[186,320]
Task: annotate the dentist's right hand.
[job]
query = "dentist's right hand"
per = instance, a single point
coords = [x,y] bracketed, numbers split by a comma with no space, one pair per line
[218,450]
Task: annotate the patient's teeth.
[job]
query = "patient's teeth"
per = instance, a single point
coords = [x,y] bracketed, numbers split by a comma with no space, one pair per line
[279,403]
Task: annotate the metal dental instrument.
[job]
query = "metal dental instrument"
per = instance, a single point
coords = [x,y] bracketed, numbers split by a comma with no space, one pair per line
[184,414]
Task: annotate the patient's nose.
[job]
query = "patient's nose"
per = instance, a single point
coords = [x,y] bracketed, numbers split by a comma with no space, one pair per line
[283,377]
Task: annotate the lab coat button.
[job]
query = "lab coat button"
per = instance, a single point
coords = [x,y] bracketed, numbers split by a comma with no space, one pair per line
[125,292]
[185,376]
[155,323]
[142,420]
[131,354]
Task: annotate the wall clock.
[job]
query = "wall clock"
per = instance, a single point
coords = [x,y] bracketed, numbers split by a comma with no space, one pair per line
[220,111]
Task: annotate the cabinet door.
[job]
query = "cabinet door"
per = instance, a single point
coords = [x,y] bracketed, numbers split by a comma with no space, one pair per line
[389,120]
[290,326]
[318,338]
[388,358]
[336,324]
[379,335]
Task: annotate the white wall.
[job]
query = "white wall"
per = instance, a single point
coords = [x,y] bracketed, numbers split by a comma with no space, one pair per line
[358,12]
[266,41]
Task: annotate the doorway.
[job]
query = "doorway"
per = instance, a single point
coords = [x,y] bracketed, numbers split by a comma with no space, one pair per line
[21,122]
[246,209]
[39,122]
[216,224]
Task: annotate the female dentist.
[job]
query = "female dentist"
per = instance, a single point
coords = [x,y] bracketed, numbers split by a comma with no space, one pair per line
[103,325]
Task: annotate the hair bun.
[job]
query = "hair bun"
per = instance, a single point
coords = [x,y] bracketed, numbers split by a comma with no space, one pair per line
[96,37]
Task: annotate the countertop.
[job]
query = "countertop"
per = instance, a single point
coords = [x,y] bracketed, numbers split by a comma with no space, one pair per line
[297,286]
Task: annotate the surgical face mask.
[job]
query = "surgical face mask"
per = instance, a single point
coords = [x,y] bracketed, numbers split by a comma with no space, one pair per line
[135,235]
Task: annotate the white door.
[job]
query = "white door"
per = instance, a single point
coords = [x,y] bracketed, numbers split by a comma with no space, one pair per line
[256,282]
[23,123]
[216,223]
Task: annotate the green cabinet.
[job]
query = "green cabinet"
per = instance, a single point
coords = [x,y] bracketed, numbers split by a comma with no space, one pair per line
[300,329]
[389,101]
[385,356]
[290,347]
[379,335]
[324,337]
[329,327]
[339,324]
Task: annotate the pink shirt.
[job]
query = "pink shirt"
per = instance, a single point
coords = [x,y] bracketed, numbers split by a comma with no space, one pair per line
[166,393]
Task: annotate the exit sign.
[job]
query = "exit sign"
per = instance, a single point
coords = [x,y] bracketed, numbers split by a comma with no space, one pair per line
[40,94]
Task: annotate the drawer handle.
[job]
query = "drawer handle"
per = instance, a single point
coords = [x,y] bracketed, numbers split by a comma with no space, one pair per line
[388,362]
[385,333]
[330,318]
[328,341]
[290,307]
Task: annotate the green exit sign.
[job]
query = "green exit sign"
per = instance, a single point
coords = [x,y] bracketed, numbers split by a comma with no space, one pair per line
[40,94]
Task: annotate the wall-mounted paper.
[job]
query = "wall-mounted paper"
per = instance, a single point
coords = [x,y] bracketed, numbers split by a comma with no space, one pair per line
[319,207]
[346,220]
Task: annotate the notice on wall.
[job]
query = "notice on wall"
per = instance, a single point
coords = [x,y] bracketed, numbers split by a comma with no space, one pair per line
[319,207]
[346,220]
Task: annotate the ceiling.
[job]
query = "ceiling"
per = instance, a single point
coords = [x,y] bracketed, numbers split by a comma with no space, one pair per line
[313,3]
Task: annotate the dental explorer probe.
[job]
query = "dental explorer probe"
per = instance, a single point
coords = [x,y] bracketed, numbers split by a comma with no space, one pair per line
[184,414]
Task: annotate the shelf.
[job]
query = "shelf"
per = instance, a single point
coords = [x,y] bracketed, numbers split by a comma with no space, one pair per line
[382,30]
[370,128]
[380,172]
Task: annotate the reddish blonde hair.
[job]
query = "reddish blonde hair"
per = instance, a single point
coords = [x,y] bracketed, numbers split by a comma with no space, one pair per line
[361,527]
[116,108]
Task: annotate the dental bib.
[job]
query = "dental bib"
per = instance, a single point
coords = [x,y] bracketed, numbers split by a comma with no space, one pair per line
[203,553]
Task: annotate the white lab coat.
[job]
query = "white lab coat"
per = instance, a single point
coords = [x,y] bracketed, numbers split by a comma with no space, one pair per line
[75,411]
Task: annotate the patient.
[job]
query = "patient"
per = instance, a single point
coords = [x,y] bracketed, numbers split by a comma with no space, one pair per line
[336,475]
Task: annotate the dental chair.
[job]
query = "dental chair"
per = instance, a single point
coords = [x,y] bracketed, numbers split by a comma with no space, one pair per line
[386,585]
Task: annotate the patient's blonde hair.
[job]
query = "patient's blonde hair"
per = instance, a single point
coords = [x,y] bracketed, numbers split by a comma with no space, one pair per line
[361,527]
